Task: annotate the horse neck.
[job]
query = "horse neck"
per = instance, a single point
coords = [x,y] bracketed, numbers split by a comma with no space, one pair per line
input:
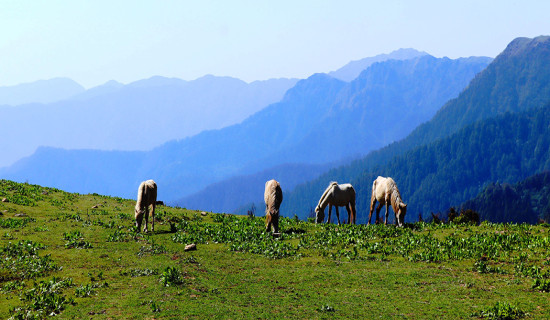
[323,202]
[395,199]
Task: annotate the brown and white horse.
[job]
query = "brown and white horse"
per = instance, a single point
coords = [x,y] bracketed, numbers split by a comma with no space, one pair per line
[336,195]
[384,190]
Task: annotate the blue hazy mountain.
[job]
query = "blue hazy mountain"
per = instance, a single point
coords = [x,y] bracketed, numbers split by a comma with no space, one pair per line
[307,126]
[385,103]
[351,70]
[42,91]
[137,116]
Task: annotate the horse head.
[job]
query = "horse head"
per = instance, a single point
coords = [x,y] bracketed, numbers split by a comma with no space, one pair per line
[401,213]
[319,215]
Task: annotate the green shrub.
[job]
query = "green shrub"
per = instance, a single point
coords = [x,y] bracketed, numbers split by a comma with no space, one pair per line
[44,299]
[13,223]
[74,240]
[172,276]
[22,261]
[541,285]
[502,311]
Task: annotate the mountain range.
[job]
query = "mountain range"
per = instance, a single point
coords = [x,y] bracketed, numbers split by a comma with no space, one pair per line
[42,91]
[383,104]
[352,70]
[321,120]
[137,116]
[496,130]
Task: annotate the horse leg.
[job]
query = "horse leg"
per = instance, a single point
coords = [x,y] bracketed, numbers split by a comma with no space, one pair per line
[153,218]
[380,204]
[275,224]
[387,213]
[139,219]
[372,204]
[267,222]
[353,211]
[337,214]
[146,218]
[329,213]
[350,217]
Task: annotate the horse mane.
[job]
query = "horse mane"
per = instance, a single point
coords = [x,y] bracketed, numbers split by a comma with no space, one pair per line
[395,197]
[327,190]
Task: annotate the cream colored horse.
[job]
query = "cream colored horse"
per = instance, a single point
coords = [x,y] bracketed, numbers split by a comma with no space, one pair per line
[273,196]
[336,195]
[147,196]
[384,190]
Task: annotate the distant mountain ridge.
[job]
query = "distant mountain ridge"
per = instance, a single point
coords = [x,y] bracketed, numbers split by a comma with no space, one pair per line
[137,116]
[352,70]
[431,157]
[42,91]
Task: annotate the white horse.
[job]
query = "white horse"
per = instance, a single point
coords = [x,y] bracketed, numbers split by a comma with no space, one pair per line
[147,196]
[384,190]
[273,196]
[336,195]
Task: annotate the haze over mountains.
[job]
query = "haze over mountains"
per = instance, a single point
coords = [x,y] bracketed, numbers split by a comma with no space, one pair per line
[386,102]
[321,120]
[137,116]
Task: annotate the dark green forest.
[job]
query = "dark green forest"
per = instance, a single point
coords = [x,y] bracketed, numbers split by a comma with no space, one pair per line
[526,201]
[448,172]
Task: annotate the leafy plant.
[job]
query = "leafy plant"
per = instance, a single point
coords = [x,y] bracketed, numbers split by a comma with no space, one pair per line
[141,272]
[74,240]
[14,285]
[502,311]
[84,290]
[152,248]
[172,276]
[326,308]
[541,285]
[15,223]
[44,299]
[22,261]
[155,307]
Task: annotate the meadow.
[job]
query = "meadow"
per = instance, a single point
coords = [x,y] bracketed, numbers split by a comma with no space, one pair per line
[79,256]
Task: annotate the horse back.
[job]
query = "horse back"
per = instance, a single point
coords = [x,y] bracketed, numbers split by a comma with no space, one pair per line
[380,187]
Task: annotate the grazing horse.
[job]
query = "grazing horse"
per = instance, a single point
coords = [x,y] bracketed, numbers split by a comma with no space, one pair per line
[336,195]
[384,190]
[273,196]
[147,196]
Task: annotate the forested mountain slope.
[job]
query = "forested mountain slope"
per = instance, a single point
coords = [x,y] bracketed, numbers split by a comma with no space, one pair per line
[518,79]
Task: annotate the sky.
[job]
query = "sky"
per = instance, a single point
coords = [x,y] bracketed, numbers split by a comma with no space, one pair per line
[95,41]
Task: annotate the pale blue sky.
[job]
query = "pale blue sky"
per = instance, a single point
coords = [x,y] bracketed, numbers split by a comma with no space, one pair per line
[96,41]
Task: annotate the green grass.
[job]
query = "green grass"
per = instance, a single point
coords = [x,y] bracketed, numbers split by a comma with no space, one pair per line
[71,260]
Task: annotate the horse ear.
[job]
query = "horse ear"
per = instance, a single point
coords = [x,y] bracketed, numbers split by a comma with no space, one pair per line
[402,205]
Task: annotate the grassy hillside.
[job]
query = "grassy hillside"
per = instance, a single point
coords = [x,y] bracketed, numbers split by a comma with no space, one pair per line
[60,255]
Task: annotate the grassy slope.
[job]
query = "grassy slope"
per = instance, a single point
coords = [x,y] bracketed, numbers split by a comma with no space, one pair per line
[318,276]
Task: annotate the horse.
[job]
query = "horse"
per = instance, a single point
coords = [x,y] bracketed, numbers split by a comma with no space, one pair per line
[147,196]
[336,195]
[384,190]
[273,196]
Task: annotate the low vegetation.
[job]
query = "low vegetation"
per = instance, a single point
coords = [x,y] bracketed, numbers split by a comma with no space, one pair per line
[78,256]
